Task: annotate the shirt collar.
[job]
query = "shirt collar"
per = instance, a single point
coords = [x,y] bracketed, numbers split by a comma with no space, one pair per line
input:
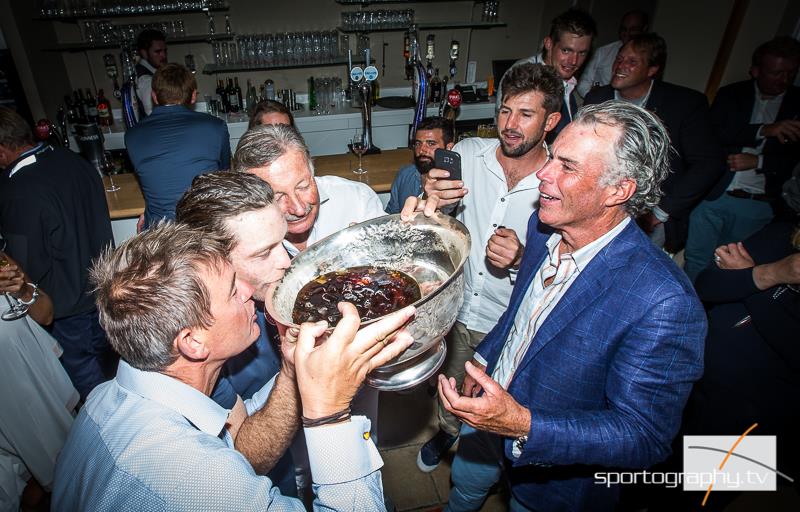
[199,409]
[144,62]
[766,99]
[585,254]
[639,102]
[25,159]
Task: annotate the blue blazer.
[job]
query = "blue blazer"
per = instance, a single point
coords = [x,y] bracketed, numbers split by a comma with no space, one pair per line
[168,149]
[608,373]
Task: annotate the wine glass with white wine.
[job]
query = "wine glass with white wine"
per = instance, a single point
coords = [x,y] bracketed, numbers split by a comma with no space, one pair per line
[15,308]
[358,147]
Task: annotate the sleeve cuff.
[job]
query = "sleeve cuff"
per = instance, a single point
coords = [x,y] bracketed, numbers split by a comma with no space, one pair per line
[512,275]
[660,214]
[342,452]
[760,162]
[759,135]
[260,397]
[480,359]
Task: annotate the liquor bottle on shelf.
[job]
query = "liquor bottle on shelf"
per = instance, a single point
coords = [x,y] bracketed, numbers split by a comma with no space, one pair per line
[211,28]
[80,107]
[252,97]
[228,30]
[233,100]
[104,115]
[222,97]
[91,106]
[269,89]
[238,91]
[312,95]
[436,88]
[72,111]
[61,119]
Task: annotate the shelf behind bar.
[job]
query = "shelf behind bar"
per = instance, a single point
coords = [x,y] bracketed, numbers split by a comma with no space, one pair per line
[212,69]
[73,18]
[430,25]
[78,47]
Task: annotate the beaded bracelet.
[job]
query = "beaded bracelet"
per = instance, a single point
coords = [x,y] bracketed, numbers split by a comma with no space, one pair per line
[336,417]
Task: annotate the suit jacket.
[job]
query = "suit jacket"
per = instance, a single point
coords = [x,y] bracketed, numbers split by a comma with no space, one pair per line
[730,117]
[698,162]
[168,149]
[606,376]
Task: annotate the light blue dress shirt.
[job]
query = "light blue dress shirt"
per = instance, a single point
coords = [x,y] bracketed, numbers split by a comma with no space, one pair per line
[146,441]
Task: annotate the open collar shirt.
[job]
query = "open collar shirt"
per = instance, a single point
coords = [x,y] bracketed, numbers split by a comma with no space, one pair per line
[489,205]
[540,300]
[341,202]
[146,441]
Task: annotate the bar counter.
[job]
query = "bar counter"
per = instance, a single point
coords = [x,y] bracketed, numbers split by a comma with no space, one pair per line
[381,169]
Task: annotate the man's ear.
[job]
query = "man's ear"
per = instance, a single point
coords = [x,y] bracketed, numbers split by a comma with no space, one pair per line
[652,71]
[194,97]
[552,121]
[191,344]
[153,97]
[548,43]
[620,193]
[449,146]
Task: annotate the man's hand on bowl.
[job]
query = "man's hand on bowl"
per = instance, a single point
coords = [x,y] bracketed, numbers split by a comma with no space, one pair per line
[414,205]
[329,374]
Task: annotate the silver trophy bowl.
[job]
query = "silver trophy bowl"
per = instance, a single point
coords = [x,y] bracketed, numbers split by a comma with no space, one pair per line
[432,250]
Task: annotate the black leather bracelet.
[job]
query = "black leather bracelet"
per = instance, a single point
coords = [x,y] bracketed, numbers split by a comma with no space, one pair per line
[336,417]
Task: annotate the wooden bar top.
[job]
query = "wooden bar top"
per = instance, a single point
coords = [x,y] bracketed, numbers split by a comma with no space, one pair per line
[381,170]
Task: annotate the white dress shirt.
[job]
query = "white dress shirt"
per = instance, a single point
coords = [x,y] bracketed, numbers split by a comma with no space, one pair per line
[488,205]
[144,86]
[598,69]
[540,300]
[341,202]
[765,110]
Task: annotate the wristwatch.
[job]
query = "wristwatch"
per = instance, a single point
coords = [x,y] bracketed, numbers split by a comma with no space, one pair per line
[519,443]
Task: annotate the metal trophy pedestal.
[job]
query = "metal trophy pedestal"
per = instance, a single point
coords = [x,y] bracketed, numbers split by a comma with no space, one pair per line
[409,373]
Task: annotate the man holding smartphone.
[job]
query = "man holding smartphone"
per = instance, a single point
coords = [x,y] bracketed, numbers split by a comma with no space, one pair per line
[495,196]
[432,133]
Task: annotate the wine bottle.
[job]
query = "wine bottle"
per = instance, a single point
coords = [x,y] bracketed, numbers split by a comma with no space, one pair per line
[104,115]
[91,106]
[238,93]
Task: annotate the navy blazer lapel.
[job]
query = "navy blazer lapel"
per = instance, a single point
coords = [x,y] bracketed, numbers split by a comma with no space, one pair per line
[591,284]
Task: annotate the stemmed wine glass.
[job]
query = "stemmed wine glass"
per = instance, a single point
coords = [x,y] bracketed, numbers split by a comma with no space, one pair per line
[15,308]
[358,147]
[109,168]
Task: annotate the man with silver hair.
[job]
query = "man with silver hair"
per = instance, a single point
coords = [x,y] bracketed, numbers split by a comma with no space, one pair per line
[593,361]
[175,309]
[314,207]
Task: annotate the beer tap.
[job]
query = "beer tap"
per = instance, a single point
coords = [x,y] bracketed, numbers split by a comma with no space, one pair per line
[453,57]
[130,103]
[363,78]
[422,85]
[112,72]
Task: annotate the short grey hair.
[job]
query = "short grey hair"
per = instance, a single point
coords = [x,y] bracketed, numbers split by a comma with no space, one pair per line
[642,150]
[262,145]
[150,288]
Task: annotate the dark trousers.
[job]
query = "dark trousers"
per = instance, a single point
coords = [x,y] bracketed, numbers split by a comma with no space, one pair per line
[87,358]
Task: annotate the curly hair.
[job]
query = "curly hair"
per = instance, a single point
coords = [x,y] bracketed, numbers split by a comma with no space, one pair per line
[642,150]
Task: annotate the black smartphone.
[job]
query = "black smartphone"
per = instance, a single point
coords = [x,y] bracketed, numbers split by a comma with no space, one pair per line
[448,160]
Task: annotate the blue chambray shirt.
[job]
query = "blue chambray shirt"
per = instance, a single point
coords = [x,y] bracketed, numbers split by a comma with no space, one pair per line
[407,183]
[146,441]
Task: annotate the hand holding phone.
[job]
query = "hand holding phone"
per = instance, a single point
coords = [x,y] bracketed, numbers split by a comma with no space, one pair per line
[447,186]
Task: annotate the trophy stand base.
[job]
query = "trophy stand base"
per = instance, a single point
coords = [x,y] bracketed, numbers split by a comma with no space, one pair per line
[412,372]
